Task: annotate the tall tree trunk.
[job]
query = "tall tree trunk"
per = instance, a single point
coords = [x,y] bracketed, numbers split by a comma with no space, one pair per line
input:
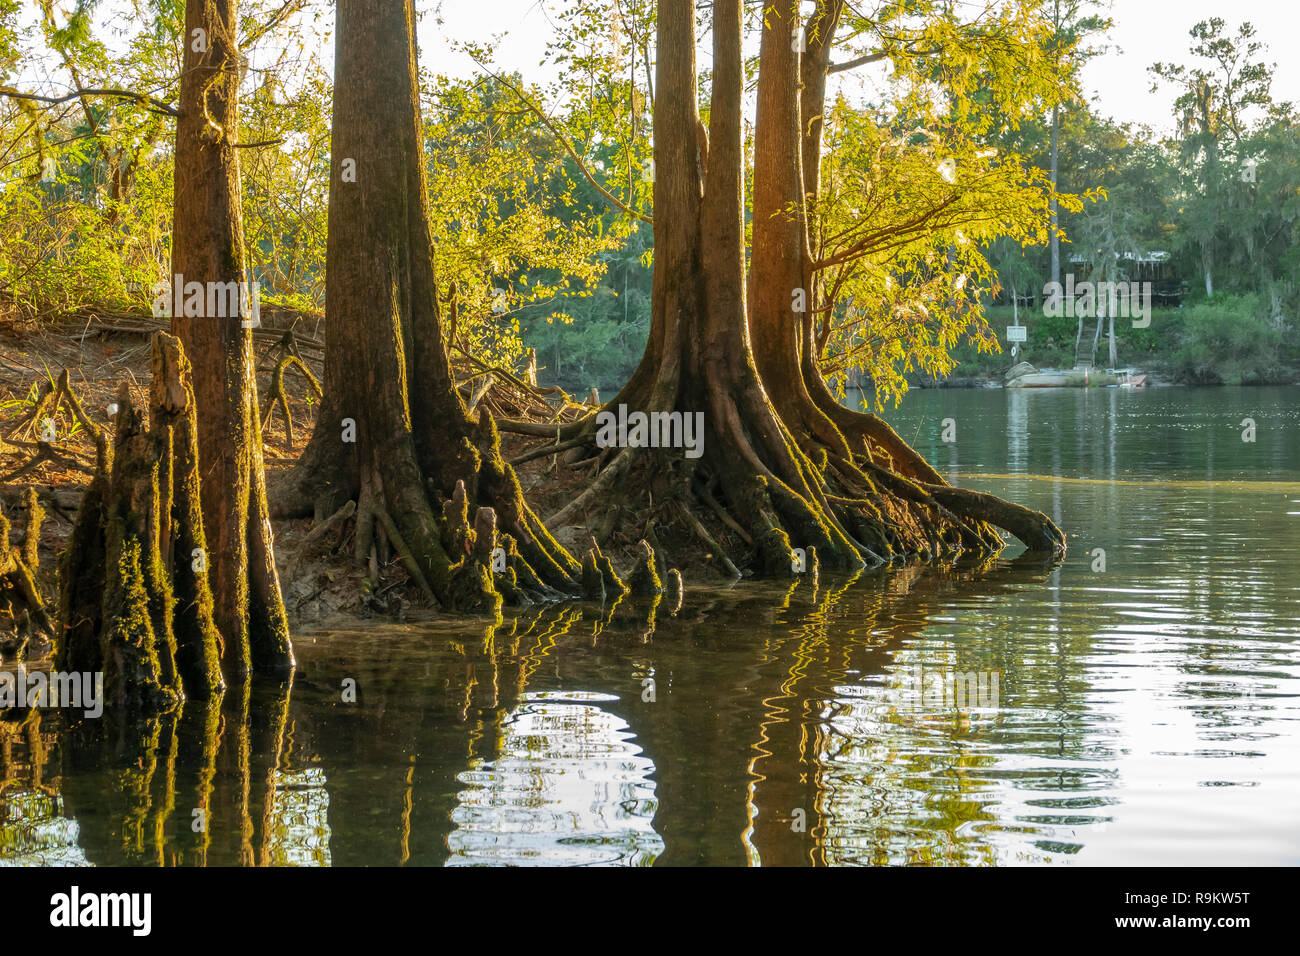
[778,289]
[1211,187]
[208,248]
[781,299]
[393,431]
[1055,239]
[853,426]
[1056,140]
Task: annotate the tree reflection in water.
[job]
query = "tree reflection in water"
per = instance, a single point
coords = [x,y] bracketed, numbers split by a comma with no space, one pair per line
[625,734]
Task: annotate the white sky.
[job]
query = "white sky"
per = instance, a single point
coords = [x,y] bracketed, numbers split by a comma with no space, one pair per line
[1145,31]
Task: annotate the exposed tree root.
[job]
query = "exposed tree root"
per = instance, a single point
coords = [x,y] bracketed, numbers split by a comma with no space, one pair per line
[22,612]
[863,498]
[472,551]
[278,397]
[44,394]
[322,530]
[40,423]
[45,452]
[505,394]
[713,550]
[277,325]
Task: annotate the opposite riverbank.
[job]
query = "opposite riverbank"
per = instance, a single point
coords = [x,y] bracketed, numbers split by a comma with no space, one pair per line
[1222,341]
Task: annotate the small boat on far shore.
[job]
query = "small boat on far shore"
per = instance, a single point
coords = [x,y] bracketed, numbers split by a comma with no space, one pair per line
[1025,375]
[1129,378]
[1049,378]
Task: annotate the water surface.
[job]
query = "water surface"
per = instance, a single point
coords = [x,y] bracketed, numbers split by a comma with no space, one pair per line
[1137,704]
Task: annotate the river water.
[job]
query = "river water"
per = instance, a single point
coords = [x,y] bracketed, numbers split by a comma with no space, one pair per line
[1138,703]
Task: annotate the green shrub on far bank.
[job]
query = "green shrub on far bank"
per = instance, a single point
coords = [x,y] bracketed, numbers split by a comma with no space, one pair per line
[1233,340]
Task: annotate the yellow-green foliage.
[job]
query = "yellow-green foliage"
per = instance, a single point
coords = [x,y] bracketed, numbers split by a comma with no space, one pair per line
[286,185]
[498,190]
[65,244]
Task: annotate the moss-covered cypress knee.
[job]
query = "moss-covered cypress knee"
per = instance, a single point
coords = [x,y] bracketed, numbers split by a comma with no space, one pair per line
[132,673]
[644,580]
[593,582]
